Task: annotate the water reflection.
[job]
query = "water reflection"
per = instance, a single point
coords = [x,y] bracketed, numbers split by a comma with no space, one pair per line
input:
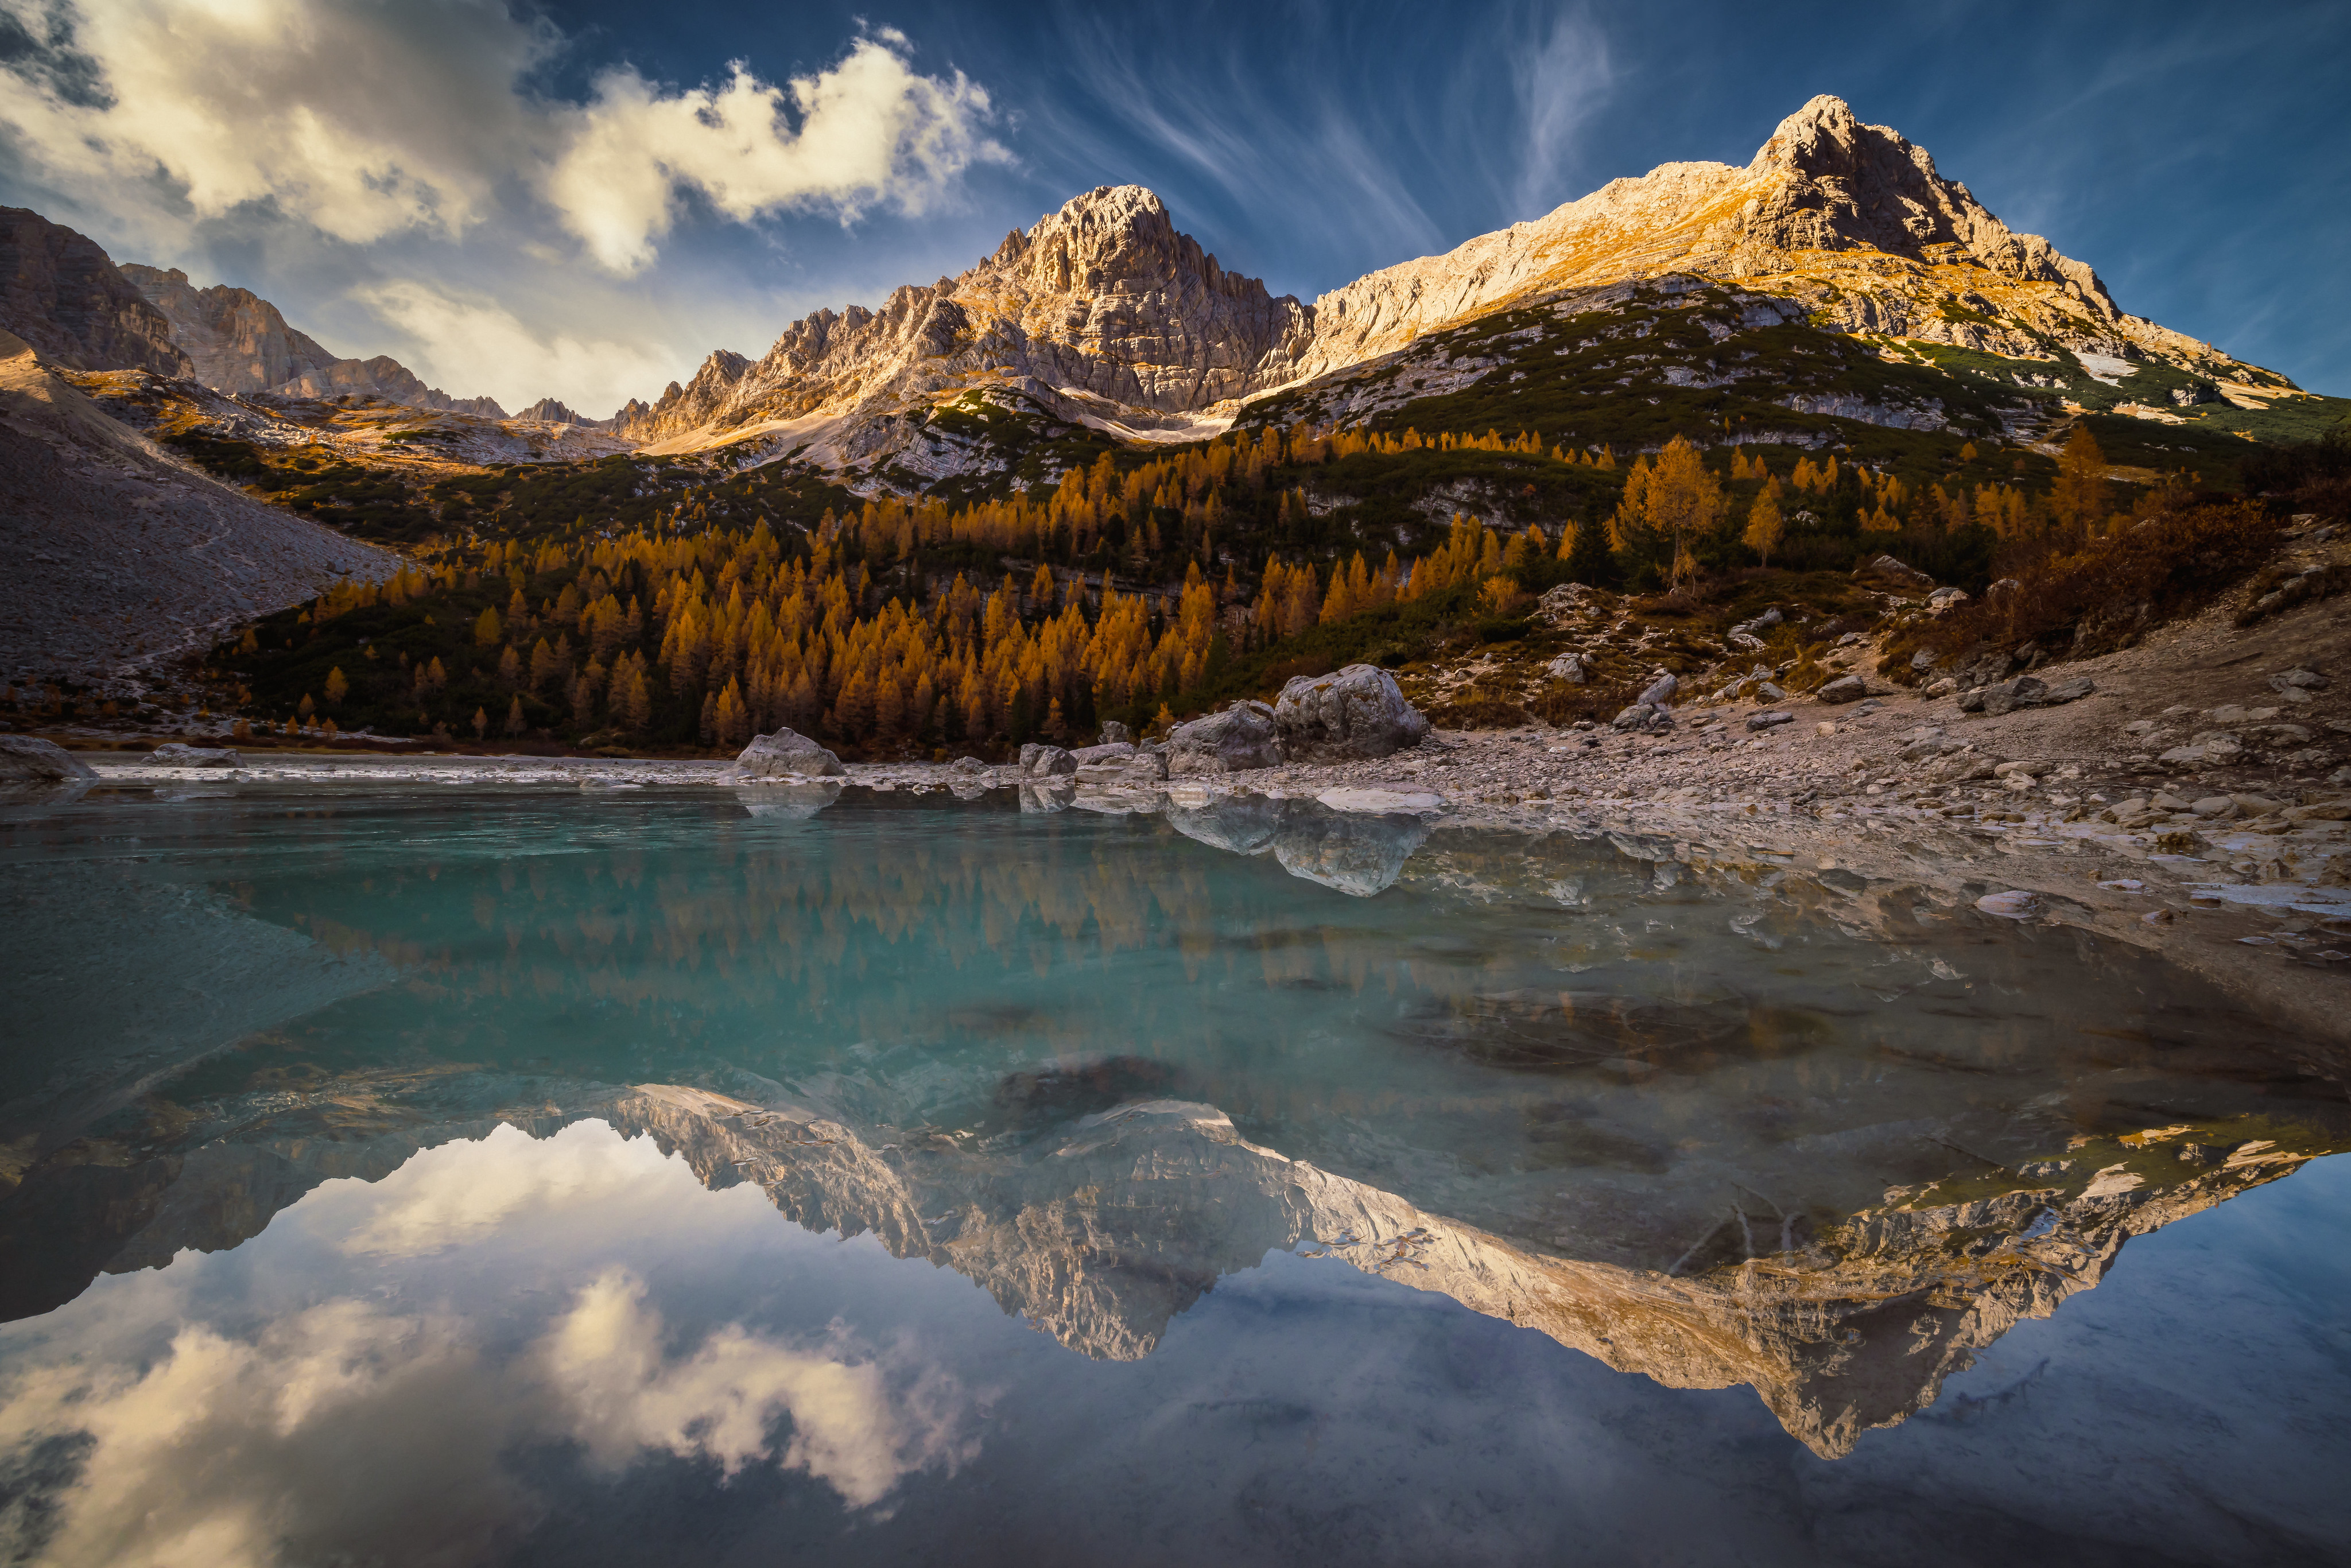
[1719,1123]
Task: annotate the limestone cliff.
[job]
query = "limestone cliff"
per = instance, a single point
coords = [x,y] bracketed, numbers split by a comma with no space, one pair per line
[1103,309]
[1106,313]
[240,343]
[60,294]
[1852,218]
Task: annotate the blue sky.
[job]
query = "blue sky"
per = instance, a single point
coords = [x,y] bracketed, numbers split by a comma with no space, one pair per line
[583,199]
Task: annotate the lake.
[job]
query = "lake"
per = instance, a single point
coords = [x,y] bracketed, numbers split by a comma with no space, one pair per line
[509,1176]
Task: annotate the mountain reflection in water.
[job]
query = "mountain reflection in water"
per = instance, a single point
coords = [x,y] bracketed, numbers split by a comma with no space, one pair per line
[1719,1123]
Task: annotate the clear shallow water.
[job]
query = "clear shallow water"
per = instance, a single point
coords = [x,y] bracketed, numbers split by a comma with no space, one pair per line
[632,1174]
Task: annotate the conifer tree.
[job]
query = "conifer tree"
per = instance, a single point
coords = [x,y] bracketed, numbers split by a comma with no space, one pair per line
[1764,525]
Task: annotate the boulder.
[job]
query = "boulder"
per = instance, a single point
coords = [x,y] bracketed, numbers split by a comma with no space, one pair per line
[1570,668]
[1123,768]
[179,754]
[1355,854]
[1358,712]
[1661,691]
[1946,598]
[966,766]
[1108,751]
[787,755]
[1844,689]
[1887,569]
[1239,739]
[1028,755]
[1241,824]
[1772,720]
[1559,603]
[789,802]
[25,759]
[1047,762]
[2025,691]
[1112,731]
[1644,718]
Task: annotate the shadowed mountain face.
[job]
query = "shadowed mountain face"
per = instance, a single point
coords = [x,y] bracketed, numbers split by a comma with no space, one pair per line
[1715,1123]
[240,343]
[60,294]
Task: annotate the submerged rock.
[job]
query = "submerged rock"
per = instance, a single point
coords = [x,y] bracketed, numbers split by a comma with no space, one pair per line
[179,754]
[1357,855]
[27,759]
[1358,711]
[787,754]
[1237,740]
[789,802]
[1242,824]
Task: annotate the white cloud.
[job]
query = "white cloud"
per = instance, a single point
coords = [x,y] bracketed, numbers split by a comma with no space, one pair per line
[199,1440]
[462,1192]
[366,121]
[362,122]
[227,1451]
[849,1429]
[476,345]
[869,130]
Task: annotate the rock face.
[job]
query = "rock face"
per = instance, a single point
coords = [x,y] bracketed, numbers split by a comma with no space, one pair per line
[1853,213]
[240,343]
[1101,308]
[62,295]
[1239,739]
[25,759]
[787,755]
[1358,712]
[1104,313]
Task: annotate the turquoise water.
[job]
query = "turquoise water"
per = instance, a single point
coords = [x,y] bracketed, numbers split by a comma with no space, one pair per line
[616,1176]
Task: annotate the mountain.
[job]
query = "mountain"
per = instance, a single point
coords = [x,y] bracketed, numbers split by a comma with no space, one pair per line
[61,295]
[1103,314]
[240,343]
[122,556]
[1102,311]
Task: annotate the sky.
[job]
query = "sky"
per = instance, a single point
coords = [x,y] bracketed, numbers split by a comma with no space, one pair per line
[582,200]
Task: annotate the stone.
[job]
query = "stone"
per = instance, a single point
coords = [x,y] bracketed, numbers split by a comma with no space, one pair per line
[1028,755]
[1941,688]
[1887,568]
[1946,598]
[26,760]
[1237,740]
[966,766]
[789,802]
[178,754]
[1241,825]
[1766,691]
[1569,667]
[1107,751]
[1113,732]
[786,754]
[1661,691]
[1844,689]
[1050,762]
[1358,712]
[1560,603]
[2294,679]
[2215,806]
[2014,905]
[1769,720]
[1355,854]
[1376,801]
[1642,718]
